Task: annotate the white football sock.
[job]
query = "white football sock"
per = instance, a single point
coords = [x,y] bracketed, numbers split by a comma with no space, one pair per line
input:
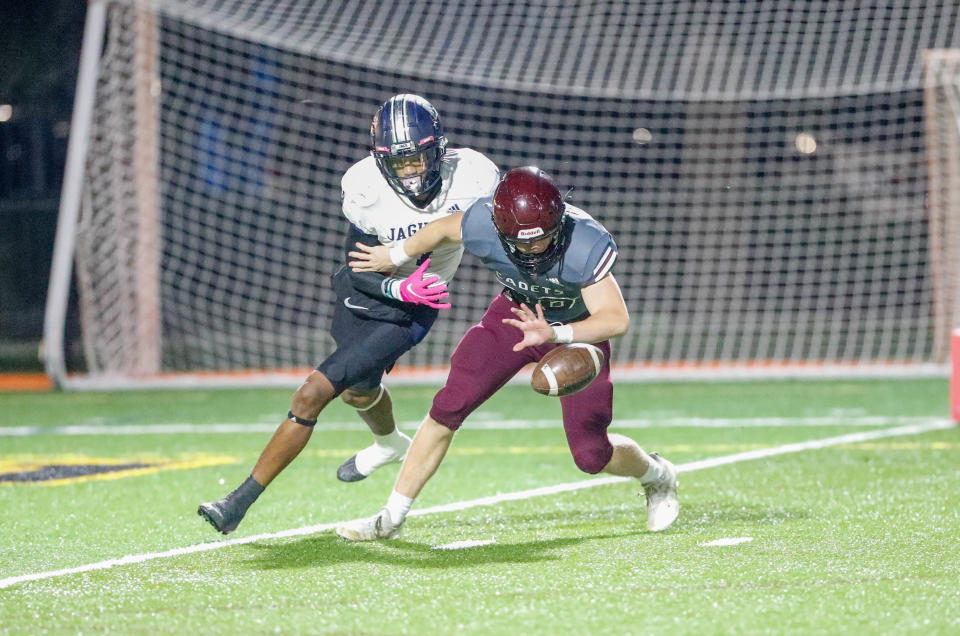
[385,449]
[393,440]
[654,470]
[398,506]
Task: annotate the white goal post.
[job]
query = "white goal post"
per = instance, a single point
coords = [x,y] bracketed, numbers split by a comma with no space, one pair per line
[782,179]
[942,100]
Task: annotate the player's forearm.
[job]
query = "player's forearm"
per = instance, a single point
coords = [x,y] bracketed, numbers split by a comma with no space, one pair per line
[423,241]
[594,328]
[427,238]
[608,317]
[370,283]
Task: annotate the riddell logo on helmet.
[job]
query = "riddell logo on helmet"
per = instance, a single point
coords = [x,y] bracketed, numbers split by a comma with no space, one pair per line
[531,233]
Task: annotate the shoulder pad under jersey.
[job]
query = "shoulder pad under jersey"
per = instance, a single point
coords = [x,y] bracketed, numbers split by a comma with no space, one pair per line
[591,252]
[361,183]
[473,174]
[360,189]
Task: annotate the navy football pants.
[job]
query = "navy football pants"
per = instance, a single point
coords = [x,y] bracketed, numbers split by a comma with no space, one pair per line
[367,348]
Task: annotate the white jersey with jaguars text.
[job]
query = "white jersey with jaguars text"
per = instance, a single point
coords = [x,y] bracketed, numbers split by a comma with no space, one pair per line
[372,205]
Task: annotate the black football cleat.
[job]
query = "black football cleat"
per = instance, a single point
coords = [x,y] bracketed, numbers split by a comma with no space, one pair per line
[223,514]
[348,471]
[372,458]
[227,513]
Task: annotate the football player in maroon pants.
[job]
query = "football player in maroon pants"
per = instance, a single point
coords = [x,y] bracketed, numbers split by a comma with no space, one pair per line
[554,262]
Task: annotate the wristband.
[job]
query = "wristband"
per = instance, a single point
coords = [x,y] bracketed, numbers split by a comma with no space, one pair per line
[397,254]
[562,333]
[391,288]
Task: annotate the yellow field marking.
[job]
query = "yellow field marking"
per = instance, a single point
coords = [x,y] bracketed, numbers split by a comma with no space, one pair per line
[27,463]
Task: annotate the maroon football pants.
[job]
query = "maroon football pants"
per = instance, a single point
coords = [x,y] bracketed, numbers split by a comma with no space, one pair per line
[484,361]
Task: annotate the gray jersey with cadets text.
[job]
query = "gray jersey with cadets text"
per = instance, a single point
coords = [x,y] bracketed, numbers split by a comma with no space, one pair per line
[590,253]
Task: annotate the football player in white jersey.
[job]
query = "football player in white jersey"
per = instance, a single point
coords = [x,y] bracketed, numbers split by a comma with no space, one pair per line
[410,179]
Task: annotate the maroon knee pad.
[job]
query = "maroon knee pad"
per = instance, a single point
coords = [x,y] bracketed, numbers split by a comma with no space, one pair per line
[591,456]
[450,408]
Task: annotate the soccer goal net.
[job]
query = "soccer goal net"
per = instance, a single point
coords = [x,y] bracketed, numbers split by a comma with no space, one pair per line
[781,177]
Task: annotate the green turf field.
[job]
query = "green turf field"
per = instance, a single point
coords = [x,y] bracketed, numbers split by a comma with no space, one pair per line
[861,536]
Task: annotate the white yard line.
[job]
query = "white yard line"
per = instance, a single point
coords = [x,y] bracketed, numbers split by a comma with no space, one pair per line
[913,429]
[175,428]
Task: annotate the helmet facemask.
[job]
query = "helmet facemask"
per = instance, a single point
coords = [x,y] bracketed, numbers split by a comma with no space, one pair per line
[535,263]
[424,179]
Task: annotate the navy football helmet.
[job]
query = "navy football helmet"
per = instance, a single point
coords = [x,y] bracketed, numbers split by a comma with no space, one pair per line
[408,145]
[528,208]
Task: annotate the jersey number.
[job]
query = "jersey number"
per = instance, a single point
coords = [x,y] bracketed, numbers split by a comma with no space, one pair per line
[548,302]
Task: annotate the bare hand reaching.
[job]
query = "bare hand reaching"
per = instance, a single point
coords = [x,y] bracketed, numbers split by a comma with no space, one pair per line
[371,259]
[536,330]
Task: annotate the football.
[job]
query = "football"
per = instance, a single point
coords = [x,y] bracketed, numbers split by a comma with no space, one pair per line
[567,369]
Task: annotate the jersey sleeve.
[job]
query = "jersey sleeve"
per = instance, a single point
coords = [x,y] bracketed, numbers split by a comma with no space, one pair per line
[357,199]
[477,231]
[602,257]
[592,256]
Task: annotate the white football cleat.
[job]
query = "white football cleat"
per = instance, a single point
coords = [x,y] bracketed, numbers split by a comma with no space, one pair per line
[663,505]
[361,465]
[379,526]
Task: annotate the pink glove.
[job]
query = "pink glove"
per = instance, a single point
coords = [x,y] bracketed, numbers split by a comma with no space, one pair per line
[424,290]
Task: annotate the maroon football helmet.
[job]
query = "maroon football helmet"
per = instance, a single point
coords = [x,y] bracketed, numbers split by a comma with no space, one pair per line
[527,207]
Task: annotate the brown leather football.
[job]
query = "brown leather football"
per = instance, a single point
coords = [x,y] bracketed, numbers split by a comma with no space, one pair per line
[567,369]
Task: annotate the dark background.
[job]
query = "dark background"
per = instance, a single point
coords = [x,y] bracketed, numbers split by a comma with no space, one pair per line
[39,54]
[873,155]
